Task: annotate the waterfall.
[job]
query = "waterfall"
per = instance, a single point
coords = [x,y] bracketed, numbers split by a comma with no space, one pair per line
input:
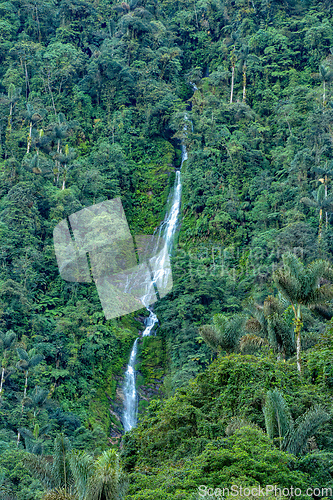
[130,391]
[167,232]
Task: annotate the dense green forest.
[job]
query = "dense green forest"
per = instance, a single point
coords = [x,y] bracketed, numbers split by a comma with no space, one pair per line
[236,384]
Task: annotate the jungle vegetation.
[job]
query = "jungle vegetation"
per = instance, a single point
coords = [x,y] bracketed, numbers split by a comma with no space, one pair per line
[94,100]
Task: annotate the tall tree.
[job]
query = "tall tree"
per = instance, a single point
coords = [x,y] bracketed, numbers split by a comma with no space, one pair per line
[326,75]
[233,63]
[54,474]
[301,286]
[327,173]
[100,479]
[320,202]
[77,475]
[33,116]
[280,334]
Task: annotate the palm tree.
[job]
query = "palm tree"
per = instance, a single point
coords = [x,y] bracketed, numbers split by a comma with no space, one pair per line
[244,52]
[60,129]
[38,401]
[76,475]
[62,160]
[304,428]
[33,117]
[326,75]
[6,342]
[293,435]
[100,479]
[301,286]
[34,440]
[224,334]
[27,361]
[56,473]
[327,173]
[277,416]
[268,322]
[320,202]
[280,334]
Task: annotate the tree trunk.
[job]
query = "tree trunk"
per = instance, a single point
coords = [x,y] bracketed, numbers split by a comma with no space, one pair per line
[298,327]
[10,117]
[244,83]
[232,82]
[24,396]
[29,138]
[64,178]
[324,93]
[326,214]
[27,86]
[25,387]
[320,223]
[2,379]
[279,429]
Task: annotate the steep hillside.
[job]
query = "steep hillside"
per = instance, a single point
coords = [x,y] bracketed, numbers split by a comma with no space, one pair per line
[94,100]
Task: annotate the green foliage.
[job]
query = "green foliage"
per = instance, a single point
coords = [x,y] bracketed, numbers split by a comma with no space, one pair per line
[224,334]
[233,386]
[277,416]
[92,106]
[305,426]
[151,353]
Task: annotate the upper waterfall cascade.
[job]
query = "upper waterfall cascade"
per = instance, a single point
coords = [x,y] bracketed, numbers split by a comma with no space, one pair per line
[166,234]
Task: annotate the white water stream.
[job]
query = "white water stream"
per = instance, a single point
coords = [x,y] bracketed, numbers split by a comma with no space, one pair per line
[166,233]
